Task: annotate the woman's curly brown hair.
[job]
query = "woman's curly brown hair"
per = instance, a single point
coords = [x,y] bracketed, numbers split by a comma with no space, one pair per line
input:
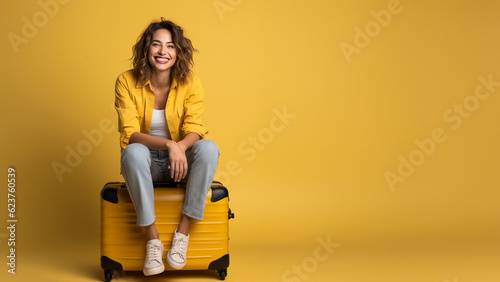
[181,70]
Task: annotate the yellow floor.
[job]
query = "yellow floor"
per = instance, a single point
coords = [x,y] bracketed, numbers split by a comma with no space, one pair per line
[467,262]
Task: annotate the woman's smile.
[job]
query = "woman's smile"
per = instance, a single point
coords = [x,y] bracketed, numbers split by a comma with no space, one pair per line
[161,60]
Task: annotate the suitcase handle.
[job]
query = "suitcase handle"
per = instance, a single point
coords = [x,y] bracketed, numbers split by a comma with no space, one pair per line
[109,191]
[160,184]
[163,184]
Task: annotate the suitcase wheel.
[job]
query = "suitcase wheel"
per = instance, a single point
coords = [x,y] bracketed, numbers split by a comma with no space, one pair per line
[108,275]
[222,273]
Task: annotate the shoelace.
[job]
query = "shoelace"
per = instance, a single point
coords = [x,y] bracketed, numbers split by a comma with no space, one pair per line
[153,252]
[179,247]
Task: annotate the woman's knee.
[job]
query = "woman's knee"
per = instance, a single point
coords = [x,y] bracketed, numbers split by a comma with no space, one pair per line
[135,153]
[206,149]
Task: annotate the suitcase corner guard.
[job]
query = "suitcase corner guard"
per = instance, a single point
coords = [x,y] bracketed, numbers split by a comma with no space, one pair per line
[110,192]
[109,264]
[220,263]
[219,193]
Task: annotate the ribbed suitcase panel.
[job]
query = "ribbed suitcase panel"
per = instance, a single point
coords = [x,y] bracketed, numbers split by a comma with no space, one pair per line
[124,242]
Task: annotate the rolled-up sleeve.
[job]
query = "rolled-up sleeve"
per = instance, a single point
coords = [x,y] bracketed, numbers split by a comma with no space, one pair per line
[193,110]
[128,119]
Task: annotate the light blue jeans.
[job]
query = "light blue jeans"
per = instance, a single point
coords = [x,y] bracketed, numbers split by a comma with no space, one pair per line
[142,167]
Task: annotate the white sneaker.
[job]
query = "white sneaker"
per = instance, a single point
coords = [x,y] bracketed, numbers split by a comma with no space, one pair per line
[153,263]
[176,256]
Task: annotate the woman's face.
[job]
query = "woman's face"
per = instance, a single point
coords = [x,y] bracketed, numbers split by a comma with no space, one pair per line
[162,53]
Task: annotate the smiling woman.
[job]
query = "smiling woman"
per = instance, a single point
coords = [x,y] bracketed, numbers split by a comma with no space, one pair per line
[180,45]
[162,53]
[162,137]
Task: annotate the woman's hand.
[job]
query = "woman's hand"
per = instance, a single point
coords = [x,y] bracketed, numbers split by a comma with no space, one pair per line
[176,150]
[178,163]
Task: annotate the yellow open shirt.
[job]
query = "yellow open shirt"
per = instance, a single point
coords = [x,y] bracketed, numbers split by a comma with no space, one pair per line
[134,103]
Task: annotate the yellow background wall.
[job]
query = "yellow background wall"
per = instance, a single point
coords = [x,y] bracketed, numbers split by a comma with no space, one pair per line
[317,108]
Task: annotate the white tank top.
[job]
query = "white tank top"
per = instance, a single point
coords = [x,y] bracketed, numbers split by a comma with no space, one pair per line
[159,126]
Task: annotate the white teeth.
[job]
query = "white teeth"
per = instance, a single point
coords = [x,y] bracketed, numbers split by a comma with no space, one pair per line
[162,60]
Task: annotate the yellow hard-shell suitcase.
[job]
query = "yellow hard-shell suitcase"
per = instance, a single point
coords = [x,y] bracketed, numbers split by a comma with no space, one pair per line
[123,242]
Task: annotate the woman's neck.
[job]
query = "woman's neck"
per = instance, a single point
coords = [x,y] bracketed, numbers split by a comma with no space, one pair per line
[160,79]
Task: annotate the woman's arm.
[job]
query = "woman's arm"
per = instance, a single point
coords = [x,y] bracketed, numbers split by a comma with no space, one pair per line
[189,140]
[128,119]
[156,143]
[152,142]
